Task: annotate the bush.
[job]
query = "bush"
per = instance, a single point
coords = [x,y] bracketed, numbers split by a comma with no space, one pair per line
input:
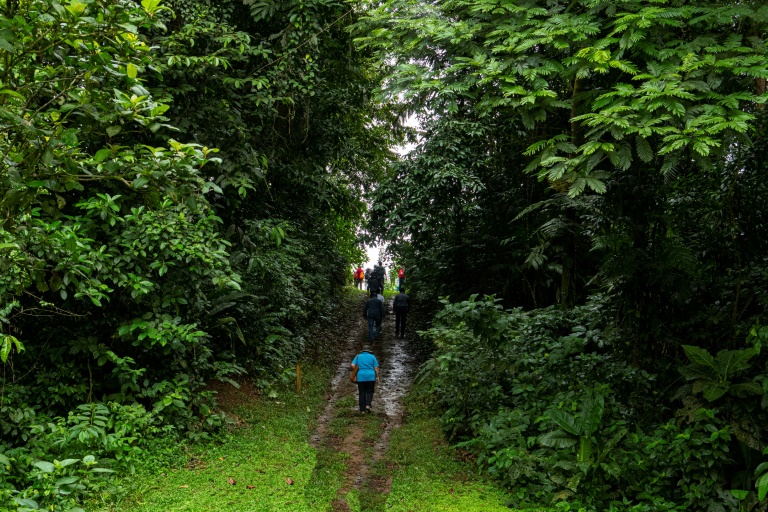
[66,460]
[551,407]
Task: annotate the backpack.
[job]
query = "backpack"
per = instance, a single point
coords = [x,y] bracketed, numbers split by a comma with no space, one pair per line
[401,301]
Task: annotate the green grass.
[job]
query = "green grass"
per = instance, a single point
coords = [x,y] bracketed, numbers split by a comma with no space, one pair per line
[428,474]
[272,449]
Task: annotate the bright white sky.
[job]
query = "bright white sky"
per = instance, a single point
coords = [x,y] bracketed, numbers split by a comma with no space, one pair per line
[373,256]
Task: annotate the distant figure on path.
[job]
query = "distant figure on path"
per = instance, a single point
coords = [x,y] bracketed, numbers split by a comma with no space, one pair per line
[374,283]
[359,277]
[367,376]
[384,310]
[400,279]
[373,310]
[401,305]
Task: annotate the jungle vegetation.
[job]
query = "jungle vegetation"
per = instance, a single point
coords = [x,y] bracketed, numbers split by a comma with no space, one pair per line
[185,186]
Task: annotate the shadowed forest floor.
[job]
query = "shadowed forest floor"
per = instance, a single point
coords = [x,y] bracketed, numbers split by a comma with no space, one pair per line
[315,451]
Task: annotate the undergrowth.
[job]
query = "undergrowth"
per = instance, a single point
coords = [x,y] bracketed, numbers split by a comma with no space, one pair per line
[551,407]
[427,473]
[267,464]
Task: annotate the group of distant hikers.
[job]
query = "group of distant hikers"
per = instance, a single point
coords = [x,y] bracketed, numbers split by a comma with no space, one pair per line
[374,278]
[365,366]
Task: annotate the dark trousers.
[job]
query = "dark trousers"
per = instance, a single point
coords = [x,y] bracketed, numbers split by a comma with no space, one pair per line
[400,315]
[365,391]
[371,323]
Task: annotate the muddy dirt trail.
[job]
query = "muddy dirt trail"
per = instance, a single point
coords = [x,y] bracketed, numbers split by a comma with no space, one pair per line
[397,368]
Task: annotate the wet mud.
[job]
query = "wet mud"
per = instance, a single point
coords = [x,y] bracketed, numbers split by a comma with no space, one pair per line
[397,362]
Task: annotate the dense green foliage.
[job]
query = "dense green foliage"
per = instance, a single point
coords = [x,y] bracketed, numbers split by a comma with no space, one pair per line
[602,165]
[182,186]
[552,408]
[137,262]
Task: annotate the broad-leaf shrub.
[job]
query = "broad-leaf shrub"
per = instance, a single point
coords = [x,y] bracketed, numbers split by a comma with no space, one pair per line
[550,406]
[58,485]
[49,470]
[106,224]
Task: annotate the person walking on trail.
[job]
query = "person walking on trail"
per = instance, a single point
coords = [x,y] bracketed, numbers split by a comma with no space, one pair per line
[374,283]
[365,371]
[359,276]
[384,309]
[400,279]
[373,310]
[401,305]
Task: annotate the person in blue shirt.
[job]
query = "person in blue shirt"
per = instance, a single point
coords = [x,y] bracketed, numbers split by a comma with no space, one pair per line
[367,367]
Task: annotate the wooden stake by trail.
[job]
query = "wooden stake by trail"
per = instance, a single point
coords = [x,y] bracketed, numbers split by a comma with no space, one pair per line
[298,377]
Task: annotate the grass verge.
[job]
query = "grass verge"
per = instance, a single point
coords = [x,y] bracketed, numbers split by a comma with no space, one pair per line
[266,465]
[428,474]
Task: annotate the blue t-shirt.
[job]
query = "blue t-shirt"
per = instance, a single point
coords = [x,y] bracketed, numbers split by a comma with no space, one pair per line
[366,362]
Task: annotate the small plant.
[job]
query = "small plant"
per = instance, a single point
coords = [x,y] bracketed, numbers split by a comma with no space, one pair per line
[56,485]
[591,454]
[713,377]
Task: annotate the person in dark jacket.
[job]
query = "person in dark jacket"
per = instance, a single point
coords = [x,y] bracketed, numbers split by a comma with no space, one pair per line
[373,310]
[401,305]
[374,283]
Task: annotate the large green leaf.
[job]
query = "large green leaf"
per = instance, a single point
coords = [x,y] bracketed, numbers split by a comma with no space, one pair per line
[558,439]
[714,390]
[762,486]
[45,466]
[697,371]
[729,362]
[699,356]
[565,421]
[745,389]
[591,414]
[585,449]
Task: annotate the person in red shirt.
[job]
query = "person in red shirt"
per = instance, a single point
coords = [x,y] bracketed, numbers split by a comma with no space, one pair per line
[359,276]
[400,278]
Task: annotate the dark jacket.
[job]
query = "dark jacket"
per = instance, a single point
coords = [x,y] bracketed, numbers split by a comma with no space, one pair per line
[401,302]
[373,308]
[374,283]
